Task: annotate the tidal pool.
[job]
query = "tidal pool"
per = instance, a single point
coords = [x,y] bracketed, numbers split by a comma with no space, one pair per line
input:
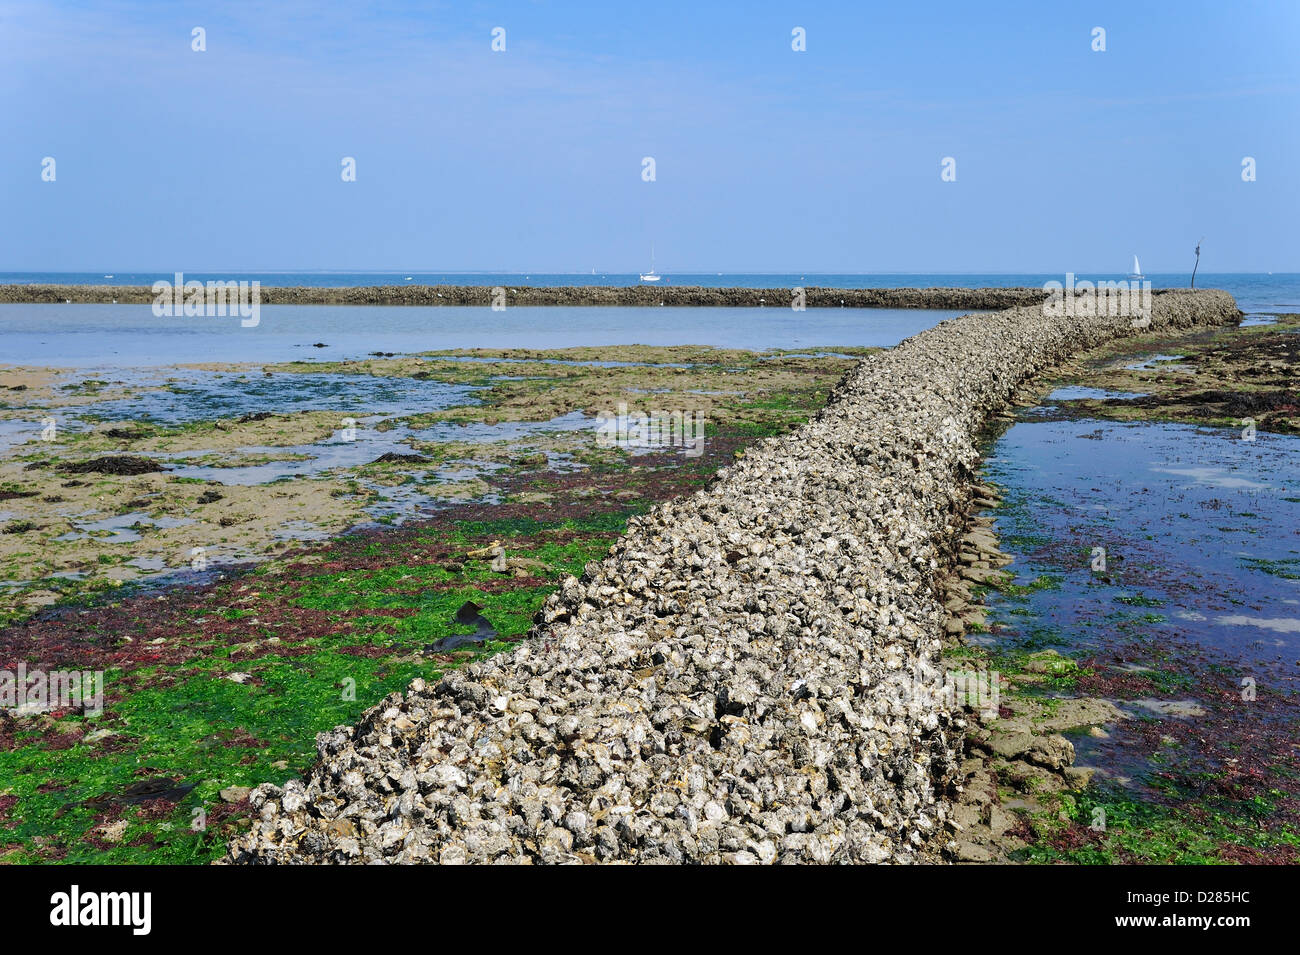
[1200,531]
[176,396]
[1163,559]
[1082,393]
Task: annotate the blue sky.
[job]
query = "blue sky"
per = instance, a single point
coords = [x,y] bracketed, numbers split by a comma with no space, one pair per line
[767,159]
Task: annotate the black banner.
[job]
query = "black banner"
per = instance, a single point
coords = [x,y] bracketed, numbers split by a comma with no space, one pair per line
[146,906]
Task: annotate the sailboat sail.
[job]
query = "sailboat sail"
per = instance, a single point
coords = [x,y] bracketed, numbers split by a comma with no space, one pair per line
[1137,269]
[651,276]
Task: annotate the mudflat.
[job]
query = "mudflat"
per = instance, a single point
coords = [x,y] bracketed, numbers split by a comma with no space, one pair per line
[108,482]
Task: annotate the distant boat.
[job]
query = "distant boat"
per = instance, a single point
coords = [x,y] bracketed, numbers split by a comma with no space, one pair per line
[1137,270]
[651,276]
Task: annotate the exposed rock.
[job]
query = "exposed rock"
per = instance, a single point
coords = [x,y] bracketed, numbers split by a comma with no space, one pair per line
[972,852]
[112,831]
[113,464]
[1078,712]
[395,457]
[1182,709]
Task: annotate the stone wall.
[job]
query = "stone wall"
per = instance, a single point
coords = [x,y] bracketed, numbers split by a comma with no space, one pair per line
[515,295]
[747,677]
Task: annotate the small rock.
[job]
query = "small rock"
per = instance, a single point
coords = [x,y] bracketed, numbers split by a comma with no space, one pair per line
[972,852]
[113,831]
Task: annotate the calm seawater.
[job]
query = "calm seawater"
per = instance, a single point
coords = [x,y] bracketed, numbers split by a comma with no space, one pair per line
[91,336]
[130,335]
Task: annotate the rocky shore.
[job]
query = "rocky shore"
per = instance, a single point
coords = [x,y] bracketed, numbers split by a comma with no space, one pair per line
[515,295]
[751,675]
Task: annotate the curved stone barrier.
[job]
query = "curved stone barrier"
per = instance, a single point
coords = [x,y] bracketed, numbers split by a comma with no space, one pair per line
[515,295]
[742,679]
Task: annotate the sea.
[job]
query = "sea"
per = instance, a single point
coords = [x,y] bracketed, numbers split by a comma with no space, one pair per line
[107,335]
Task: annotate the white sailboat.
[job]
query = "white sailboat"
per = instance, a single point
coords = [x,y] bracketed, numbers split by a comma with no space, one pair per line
[651,276]
[1136,274]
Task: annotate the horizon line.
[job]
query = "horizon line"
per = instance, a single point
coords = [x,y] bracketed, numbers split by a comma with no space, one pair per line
[529,272]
